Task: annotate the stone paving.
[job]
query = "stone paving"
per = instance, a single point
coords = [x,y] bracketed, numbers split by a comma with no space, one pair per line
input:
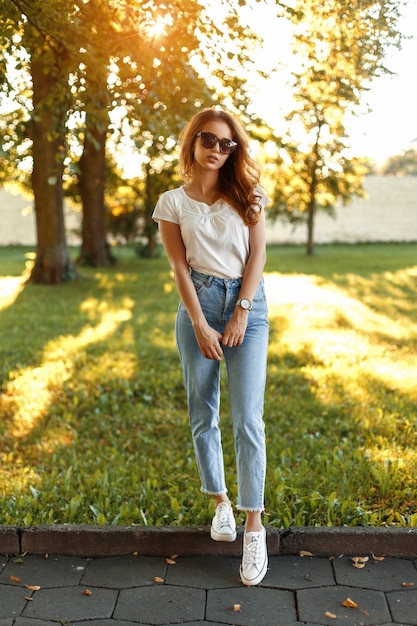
[38,590]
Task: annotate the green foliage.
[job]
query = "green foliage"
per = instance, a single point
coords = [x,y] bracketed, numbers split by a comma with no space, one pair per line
[94,425]
[404,164]
[340,48]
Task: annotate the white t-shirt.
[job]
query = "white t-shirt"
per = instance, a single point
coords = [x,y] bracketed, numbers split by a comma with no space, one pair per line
[216,238]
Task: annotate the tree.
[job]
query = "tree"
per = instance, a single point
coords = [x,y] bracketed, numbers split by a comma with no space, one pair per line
[404,164]
[48,65]
[340,47]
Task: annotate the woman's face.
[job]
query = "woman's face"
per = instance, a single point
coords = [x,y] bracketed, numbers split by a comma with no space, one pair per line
[211,159]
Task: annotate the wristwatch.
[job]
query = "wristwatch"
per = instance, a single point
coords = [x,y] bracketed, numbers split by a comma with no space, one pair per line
[245,304]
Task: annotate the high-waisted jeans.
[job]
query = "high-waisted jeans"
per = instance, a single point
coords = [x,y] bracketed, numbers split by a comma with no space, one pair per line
[246,370]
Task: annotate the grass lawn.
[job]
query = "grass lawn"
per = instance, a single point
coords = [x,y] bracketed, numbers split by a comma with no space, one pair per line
[93,418]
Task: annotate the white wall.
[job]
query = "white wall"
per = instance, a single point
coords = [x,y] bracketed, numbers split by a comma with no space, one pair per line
[388,213]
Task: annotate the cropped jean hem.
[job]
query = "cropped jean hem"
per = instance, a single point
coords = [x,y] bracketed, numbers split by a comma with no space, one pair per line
[213,493]
[249,509]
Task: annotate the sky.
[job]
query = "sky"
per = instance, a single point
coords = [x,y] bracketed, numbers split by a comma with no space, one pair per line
[392,123]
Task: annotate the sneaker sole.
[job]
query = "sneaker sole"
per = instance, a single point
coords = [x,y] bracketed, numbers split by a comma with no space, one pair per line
[222,537]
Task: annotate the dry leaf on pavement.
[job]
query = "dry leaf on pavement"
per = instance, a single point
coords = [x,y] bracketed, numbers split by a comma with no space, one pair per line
[32,587]
[86,592]
[332,615]
[157,579]
[306,553]
[350,603]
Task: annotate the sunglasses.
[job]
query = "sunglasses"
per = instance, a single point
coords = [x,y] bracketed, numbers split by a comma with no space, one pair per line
[208,140]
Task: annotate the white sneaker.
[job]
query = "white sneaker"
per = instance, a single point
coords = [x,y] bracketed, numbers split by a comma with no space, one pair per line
[255,558]
[223,525]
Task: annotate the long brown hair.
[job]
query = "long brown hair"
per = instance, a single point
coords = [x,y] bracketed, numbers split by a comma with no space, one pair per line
[239,176]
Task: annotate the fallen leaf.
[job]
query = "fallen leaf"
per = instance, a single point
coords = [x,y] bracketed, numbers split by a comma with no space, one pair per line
[170,561]
[407,584]
[46,556]
[135,553]
[32,587]
[28,599]
[360,561]
[15,579]
[18,560]
[377,558]
[332,615]
[174,556]
[157,579]
[236,607]
[306,553]
[86,592]
[350,604]
[365,612]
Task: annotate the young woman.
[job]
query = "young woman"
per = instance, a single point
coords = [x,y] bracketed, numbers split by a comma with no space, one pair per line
[213,231]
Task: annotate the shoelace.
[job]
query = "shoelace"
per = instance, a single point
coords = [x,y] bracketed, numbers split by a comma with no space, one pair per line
[252,552]
[223,517]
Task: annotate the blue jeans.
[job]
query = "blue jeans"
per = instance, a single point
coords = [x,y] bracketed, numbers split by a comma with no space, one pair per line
[246,370]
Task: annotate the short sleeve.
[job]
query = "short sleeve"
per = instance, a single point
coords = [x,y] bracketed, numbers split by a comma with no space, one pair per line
[166,208]
[263,198]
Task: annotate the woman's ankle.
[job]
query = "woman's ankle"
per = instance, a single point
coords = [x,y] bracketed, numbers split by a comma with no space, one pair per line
[253,521]
[222,497]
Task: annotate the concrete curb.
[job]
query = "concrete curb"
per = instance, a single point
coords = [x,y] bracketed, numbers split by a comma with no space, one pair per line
[100,541]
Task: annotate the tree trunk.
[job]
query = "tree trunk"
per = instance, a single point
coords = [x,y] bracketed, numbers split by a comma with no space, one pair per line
[310,227]
[53,264]
[95,250]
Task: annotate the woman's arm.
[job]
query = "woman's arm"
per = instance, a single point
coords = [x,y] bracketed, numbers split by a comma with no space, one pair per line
[236,328]
[208,338]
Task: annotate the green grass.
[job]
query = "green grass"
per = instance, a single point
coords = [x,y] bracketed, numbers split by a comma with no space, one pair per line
[93,418]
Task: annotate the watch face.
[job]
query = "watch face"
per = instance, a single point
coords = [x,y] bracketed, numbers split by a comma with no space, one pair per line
[245,303]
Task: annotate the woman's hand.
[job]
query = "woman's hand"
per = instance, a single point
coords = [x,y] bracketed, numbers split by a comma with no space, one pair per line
[208,340]
[236,328]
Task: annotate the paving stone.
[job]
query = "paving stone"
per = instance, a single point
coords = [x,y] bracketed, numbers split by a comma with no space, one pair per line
[386,575]
[12,601]
[3,562]
[292,572]
[258,606]
[161,604]
[124,571]
[8,622]
[203,623]
[314,603]
[403,605]
[208,572]
[71,605]
[27,621]
[55,571]
[108,622]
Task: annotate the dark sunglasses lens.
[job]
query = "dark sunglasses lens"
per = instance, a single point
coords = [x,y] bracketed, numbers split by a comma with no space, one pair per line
[226,146]
[208,140]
